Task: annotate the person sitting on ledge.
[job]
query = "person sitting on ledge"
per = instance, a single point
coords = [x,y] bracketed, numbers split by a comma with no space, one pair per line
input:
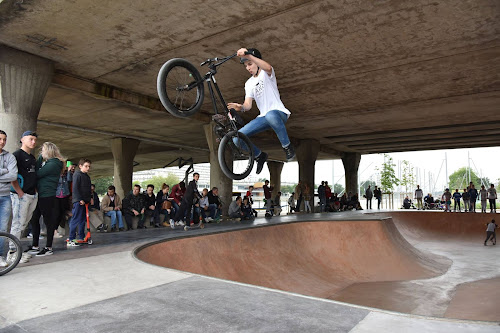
[235,209]
[134,204]
[111,206]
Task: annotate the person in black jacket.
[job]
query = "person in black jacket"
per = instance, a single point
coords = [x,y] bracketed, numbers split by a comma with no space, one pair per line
[150,203]
[134,204]
[81,197]
[214,201]
[161,197]
[187,201]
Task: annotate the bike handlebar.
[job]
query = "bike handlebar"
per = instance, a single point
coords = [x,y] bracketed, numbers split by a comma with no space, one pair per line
[219,61]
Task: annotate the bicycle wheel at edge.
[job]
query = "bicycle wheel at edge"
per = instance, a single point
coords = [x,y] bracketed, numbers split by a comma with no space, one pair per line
[173,76]
[12,258]
[242,158]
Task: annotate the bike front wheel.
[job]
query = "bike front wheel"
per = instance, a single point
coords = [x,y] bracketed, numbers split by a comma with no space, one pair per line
[236,155]
[180,87]
[10,252]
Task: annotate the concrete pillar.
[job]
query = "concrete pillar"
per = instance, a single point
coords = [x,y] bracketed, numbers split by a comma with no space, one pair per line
[24,80]
[307,151]
[275,176]
[217,177]
[351,166]
[123,154]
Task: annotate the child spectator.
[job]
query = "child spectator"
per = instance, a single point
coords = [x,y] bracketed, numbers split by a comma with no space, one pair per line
[267,196]
[456,198]
[277,204]
[246,209]
[111,206]
[490,232]
[249,194]
[291,202]
[81,197]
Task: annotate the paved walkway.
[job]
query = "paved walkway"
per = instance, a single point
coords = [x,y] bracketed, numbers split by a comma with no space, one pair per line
[104,288]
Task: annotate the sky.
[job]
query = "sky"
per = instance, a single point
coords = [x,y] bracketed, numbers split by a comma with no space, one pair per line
[484,161]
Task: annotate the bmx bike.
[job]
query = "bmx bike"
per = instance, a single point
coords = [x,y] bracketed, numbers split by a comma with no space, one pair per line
[181,89]
[10,252]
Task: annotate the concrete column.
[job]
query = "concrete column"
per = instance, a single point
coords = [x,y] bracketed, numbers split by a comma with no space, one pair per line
[24,80]
[351,166]
[217,177]
[275,176]
[123,154]
[307,152]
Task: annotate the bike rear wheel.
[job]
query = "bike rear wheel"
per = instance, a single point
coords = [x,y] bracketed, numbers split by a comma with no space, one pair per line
[180,87]
[10,252]
[236,155]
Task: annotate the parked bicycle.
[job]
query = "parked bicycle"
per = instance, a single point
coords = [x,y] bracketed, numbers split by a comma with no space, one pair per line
[181,89]
[10,252]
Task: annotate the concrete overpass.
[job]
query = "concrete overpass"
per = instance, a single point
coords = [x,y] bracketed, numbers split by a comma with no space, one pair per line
[359,78]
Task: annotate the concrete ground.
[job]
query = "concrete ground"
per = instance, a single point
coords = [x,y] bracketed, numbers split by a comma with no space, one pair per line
[104,288]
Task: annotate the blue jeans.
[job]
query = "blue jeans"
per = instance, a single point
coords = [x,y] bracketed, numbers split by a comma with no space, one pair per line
[115,214]
[5,211]
[77,221]
[274,119]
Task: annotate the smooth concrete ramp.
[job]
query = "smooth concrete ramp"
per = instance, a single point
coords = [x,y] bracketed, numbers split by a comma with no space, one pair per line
[310,258]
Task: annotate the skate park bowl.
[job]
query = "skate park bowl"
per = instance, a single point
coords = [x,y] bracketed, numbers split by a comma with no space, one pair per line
[423,263]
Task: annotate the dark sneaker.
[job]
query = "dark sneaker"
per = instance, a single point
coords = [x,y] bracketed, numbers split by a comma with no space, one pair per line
[260,161]
[105,228]
[290,152]
[33,250]
[45,252]
[113,228]
[123,229]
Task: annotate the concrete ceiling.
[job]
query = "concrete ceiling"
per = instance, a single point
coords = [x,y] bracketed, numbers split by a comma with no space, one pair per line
[366,77]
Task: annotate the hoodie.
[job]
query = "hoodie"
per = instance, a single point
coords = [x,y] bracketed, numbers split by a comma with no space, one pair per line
[8,172]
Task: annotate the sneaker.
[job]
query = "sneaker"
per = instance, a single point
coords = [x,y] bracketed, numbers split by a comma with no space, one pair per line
[105,228]
[33,250]
[261,159]
[208,219]
[45,252]
[113,228]
[3,263]
[484,243]
[25,258]
[172,224]
[166,224]
[72,243]
[11,257]
[100,227]
[57,235]
[238,219]
[180,223]
[30,235]
[290,152]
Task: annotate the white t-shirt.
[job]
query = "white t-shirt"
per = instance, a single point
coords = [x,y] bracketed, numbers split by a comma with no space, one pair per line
[264,90]
[491,227]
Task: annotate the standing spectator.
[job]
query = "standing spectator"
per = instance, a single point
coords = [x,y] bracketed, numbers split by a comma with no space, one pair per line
[328,193]
[419,195]
[369,196]
[466,199]
[291,202]
[490,232]
[249,194]
[81,197]
[277,204]
[214,201]
[8,174]
[322,197]
[95,215]
[111,206]
[187,202]
[25,198]
[298,196]
[134,204]
[267,196]
[177,194]
[62,203]
[162,203]
[447,200]
[150,203]
[473,197]
[492,196]
[235,209]
[49,168]
[377,193]
[483,195]
[456,198]
[307,198]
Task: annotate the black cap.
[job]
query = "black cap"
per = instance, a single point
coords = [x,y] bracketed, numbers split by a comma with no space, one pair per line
[254,52]
[29,133]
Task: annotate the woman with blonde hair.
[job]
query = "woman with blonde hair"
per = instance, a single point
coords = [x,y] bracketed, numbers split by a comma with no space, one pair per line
[48,170]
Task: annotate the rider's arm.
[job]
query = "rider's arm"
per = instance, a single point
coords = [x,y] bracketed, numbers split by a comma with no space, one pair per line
[246,106]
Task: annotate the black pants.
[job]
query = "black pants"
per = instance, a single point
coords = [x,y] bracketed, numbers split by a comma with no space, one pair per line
[186,206]
[472,205]
[299,202]
[457,203]
[158,211]
[488,236]
[369,203]
[128,219]
[45,208]
[61,206]
[493,205]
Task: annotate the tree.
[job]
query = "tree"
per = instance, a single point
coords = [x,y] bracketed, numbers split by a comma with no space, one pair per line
[388,177]
[460,179]
[288,188]
[338,188]
[407,177]
[158,181]
[102,184]
[365,184]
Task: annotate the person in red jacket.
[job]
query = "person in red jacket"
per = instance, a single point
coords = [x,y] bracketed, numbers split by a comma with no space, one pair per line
[177,194]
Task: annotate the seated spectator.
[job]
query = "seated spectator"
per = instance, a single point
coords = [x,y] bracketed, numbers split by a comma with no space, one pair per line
[277,204]
[207,212]
[246,209]
[235,209]
[150,203]
[111,206]
[343,202]
[134,204]
[406,203]
[164,206]
[177,195]
[95,214]
[215,202]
